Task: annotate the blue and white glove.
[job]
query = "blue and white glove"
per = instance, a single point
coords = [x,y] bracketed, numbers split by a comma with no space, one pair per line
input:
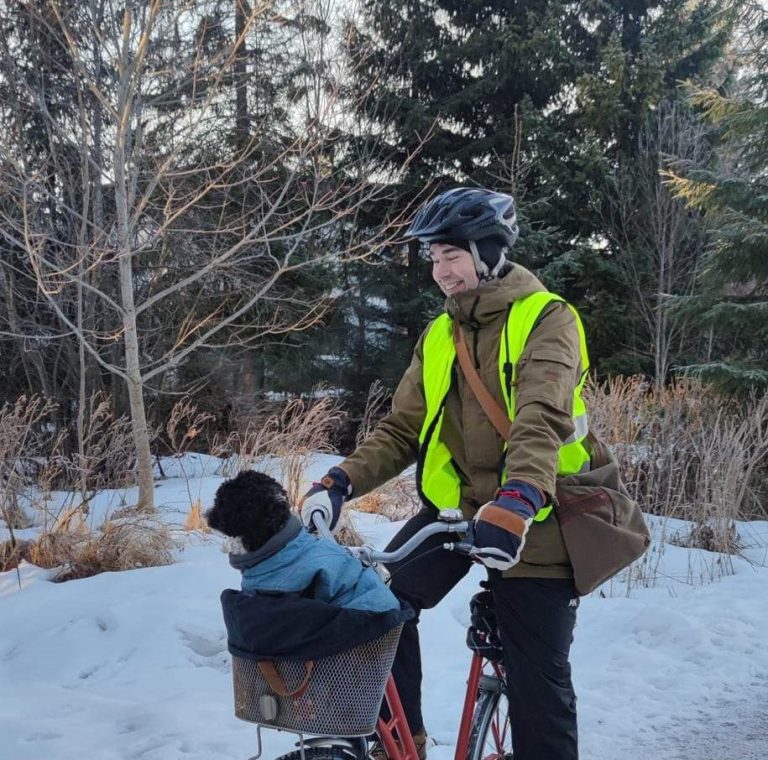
[330,492]
[500,526]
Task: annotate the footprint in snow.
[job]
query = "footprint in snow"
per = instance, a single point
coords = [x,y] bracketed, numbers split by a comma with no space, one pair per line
[209,649]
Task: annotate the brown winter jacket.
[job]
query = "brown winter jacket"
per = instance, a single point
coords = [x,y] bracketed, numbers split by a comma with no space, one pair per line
[548,372]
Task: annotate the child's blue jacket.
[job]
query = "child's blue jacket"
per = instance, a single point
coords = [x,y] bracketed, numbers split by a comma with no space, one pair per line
[293,561]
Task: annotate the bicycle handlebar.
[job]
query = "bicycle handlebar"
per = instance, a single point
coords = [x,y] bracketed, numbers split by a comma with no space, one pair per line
[449,521]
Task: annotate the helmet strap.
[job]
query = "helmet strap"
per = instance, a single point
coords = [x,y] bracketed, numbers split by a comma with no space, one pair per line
[484,273]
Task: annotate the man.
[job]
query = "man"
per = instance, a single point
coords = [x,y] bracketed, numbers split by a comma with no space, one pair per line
[528,347]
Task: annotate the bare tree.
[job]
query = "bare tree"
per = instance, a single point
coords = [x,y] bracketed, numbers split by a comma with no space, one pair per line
[658,240]
[179,223]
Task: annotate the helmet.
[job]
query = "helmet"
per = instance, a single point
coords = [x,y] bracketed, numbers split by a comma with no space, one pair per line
[474,215]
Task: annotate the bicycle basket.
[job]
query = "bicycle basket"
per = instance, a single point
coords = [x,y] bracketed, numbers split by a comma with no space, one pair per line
[342,697]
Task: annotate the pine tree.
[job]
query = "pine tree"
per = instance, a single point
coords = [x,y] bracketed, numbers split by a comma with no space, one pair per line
[732,308]
[547,101]
[461,86]
[629,112]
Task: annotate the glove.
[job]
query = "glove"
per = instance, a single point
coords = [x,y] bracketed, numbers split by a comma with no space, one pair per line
[333,490]
[500,526]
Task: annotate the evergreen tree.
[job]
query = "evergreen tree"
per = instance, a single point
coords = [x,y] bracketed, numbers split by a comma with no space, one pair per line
[460,87]
[732,308]
[637,54]
[543,100]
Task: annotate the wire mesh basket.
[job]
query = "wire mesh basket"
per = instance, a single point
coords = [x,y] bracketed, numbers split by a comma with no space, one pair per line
[342,697]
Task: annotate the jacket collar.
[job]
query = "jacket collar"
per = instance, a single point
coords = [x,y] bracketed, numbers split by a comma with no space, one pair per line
[287,533]
[485,304]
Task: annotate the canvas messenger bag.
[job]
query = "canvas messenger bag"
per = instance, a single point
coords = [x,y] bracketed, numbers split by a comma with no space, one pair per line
[603,528]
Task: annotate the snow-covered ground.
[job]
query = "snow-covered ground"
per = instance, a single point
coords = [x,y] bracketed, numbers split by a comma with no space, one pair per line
[132,665]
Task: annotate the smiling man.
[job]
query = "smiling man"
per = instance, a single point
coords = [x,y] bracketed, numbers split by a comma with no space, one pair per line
[453,268]
[528,347]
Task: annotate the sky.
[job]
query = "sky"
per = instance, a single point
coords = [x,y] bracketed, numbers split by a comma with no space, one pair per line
[134,665]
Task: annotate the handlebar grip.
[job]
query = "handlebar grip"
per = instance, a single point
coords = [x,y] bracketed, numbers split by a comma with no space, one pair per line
[318,516]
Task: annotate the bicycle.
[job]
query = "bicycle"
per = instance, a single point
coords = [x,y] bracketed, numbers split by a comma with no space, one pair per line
[484,728]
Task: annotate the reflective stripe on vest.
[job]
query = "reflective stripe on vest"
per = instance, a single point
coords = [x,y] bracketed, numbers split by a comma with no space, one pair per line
[438,482]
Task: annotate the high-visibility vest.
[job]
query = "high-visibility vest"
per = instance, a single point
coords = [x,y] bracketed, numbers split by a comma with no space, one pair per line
[438,482]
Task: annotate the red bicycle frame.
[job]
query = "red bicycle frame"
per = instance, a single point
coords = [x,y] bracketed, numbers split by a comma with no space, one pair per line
[395,735]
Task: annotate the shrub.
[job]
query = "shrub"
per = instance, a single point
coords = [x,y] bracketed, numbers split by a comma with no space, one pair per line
[686,451]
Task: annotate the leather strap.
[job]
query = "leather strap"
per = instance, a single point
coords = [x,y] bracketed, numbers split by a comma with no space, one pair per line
[502,518]
[276,683]
[493,410]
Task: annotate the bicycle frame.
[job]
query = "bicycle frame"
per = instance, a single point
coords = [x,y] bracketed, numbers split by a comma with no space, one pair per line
[470,698]
[398,726]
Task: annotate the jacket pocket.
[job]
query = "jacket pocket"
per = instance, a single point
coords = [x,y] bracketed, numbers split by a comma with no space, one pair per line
[574,501]
[551,355]
[546,376]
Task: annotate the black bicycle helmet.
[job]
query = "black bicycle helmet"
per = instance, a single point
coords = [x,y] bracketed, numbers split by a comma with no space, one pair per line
[473,215]
[469,213]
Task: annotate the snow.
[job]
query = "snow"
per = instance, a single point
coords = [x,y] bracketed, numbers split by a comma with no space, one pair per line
[132,665]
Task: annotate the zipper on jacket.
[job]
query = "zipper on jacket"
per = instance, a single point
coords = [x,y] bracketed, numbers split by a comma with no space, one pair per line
[474,349]
[475,327]
[509,369]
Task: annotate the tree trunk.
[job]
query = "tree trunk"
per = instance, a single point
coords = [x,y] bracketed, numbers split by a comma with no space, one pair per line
[134,381]
[29,359]
[139,426]
[242,121]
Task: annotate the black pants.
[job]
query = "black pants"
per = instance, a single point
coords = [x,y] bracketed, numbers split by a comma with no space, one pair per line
[536,620]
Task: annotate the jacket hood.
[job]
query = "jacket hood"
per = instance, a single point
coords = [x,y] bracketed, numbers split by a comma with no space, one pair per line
[287,533]
[484,304]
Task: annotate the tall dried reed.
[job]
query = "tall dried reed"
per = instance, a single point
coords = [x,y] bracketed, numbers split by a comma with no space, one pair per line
[304,429]
[23,437]
[285,441]
[685,451]
[35,460]
[375,403]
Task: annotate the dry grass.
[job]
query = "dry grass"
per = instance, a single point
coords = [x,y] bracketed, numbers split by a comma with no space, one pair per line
[686,452]
[107,456]
[245,447]
[103,457]
[346,535]
[185,425]
[122,543]
[396,500]
[285,441]
[22,440]
[195,520]
[31,455]
[304,429]
[375,404]
[12,552]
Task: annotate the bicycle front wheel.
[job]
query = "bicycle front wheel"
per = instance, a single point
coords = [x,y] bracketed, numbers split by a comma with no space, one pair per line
[491,736]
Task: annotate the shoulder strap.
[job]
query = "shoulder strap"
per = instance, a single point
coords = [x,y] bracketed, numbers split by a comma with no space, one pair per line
[498,417]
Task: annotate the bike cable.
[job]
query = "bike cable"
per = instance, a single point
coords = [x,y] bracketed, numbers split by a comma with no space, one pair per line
[413,559]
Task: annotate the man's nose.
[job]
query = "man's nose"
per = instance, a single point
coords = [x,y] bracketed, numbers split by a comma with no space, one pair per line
[441,268]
